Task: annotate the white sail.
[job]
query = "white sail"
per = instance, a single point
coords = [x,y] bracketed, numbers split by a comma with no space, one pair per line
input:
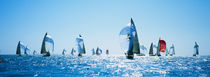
[47,45]
[126,37]
[80,45]
[143,49]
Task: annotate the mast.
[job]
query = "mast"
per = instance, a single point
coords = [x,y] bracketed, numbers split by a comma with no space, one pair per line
[151,50]
[43,49]
[18,51]
[136,48]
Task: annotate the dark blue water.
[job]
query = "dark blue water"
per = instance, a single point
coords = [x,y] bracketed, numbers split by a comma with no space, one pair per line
[13,65]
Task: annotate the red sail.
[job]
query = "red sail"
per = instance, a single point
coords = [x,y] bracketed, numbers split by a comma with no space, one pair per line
[162,45]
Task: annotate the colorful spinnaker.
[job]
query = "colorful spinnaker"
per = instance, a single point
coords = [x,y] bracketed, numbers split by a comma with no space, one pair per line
[161,47]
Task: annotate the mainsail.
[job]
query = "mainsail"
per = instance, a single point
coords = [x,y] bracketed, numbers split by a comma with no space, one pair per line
[129,34]
[196,49]
[80,45]
[20,48]
[151,50]
[47,45]
[136,48]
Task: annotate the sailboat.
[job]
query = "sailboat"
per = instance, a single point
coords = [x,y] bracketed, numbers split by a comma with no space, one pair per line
[107,52]
[151,50]
[161,47]
[47,45]
[172,50]
[93,51]
[26,52]
[98,51]
[34,53]
[64,52]
[196,49]
[20,48]
[72,51]
[131,37]
[80,45]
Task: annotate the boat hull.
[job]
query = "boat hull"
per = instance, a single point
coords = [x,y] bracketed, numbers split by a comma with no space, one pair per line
[130,56]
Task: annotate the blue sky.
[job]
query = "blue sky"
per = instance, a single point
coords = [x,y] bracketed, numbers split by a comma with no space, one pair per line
[181,22]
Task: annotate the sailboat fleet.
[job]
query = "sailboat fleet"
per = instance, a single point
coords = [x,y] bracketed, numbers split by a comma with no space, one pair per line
[22,49]
[129,35]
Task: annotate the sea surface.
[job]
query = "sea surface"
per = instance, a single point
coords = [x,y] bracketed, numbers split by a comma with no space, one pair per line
[73,66]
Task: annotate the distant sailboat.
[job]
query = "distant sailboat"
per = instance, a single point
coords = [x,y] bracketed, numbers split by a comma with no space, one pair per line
[130,34]
[72,51]
[196,49]
[20,48]
[64,52]
[161,47]
[172,50]
[107,52]
[80,45]
[98,51]
[26,52]
[151,50]
[47,45]
[34,53]
[93,51]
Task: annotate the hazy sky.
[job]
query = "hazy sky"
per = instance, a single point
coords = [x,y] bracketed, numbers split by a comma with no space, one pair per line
[181,22]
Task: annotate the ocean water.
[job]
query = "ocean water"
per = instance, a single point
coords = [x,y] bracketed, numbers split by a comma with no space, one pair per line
[71,66]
